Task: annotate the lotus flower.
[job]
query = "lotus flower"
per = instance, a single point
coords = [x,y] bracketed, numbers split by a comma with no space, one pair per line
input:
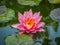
[29,22]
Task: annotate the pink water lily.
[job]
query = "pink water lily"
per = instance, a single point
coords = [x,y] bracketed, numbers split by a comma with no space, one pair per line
[29,22]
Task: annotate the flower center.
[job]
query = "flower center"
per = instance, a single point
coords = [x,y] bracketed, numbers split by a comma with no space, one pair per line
[29,22]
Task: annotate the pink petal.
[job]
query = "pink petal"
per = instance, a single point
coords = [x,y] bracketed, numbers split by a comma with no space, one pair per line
[40,30]
[37,17]
[27,31]
[34,31]
[37,14]
[30,31]
[30,12]
[21,32]
[21,28]
[26,15]
[20,17]
[40,24]
[15,25]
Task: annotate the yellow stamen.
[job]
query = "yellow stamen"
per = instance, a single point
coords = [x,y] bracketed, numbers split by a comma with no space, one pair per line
[29,22]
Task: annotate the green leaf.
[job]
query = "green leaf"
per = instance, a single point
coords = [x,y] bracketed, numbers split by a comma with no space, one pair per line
[11,40]
[38,43]
[54,1]
[19,40]
[29,2]
[6,14]
[25,39]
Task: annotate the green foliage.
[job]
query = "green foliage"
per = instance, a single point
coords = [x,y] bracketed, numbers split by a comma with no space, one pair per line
[19,40]
[38,43]
[55,14]
[25,39]
[11,40]
[8,15]
[2,9]
[54,1]
[29,2]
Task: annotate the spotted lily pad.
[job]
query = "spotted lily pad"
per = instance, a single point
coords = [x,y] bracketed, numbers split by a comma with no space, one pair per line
[6,14]
[29,2]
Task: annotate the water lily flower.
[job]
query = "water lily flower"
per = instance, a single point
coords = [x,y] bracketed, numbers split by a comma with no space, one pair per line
[29,22]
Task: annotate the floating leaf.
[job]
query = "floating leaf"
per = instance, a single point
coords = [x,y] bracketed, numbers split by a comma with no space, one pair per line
[6,14]
[2,9]
[19,40]
[29,2]
[11,40]
[54,1]
[52,35]
[38,43]
[55,15]
[58,30]
[25,39]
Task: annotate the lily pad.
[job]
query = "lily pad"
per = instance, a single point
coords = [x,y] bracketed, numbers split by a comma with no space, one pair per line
[54,1]
[55,14]
[11,40]
[19,40]
[25,39]
[29,2]
[6,14]
[2,9]
[38,43]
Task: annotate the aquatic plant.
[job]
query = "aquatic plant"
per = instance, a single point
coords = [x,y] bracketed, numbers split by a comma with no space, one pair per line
[29,22]
[44,7]
[29,2]
[52,35]
[55,14]
[2,9]
[54,1]
[38,43]
[11,40]
[19,40]
[6,14]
